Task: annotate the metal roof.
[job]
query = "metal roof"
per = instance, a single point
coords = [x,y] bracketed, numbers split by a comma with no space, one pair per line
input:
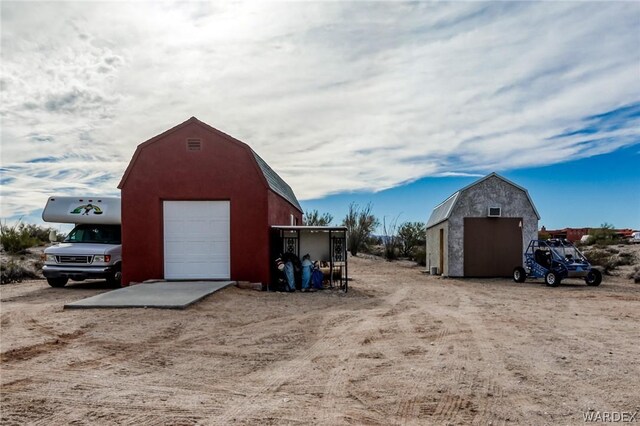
[276,183]
[443,210]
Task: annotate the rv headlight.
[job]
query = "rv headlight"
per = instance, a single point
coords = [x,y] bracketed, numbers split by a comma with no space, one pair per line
[51,258]
[102,258]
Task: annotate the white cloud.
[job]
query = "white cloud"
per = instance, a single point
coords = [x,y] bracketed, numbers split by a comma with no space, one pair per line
[335,96]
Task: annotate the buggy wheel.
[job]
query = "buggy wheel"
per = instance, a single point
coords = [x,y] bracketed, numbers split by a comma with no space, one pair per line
[519,274]
[552,279]
[57,282]
[593,278]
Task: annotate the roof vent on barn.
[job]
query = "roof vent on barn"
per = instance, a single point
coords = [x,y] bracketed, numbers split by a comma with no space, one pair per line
[194,144]
[495,212]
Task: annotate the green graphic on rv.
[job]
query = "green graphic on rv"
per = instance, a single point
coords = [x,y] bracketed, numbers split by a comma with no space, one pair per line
[84,209]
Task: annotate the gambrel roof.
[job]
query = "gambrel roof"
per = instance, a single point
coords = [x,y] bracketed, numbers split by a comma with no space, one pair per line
[443,210]
[274,182]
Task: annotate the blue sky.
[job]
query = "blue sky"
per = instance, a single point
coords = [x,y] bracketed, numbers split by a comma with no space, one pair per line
[577,193]
[397,103]
[581,193]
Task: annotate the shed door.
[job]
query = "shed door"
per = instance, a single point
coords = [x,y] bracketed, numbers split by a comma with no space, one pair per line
[196,240]
[492,246]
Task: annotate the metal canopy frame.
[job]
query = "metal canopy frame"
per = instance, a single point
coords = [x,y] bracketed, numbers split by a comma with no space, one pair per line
[337,240]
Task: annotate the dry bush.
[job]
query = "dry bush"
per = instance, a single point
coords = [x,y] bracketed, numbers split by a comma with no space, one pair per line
[16,239]
[390,238]
[419,255]
[605,235]
[12,272]
[635,275]
[360,224]
[314,218]
[609,258]
[411,236]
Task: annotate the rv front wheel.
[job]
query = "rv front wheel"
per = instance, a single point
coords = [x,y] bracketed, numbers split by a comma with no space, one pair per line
[116,278]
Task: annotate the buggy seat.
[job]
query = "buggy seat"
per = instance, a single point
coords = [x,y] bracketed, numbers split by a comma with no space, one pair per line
[543,257]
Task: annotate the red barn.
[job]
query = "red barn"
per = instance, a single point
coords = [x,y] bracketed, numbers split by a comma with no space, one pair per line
[198,204]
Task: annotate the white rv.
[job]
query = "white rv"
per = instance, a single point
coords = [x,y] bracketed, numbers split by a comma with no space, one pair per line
[93,249]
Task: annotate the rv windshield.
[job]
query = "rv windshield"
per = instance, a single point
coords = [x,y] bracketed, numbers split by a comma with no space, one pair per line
[100,234]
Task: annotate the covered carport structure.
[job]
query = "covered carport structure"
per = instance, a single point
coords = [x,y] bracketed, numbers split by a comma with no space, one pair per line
[322,243]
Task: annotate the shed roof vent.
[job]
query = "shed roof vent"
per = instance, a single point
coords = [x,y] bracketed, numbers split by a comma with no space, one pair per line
[494,212]
[194,144]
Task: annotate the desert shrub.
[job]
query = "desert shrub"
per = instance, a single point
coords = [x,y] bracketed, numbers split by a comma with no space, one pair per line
[374,249]
[390,238]
[373,245]
[635,275]
[543,235]
[419,255]
[372,241]
[16,239]
[609,258]
[360,224]
[314,218]
[19,237]
[605,235]
[11,272]
[390,252]
[41,234]
[410,235]
[599,257]
[626,258]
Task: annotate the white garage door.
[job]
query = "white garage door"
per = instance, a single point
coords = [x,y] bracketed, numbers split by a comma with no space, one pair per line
[196,240]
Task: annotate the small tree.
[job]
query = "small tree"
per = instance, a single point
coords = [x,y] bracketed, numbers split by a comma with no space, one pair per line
[41,233]
[604,235]
[360,224]
[16,239]
[390,238]
[411,235]
[543,235]
[314,218]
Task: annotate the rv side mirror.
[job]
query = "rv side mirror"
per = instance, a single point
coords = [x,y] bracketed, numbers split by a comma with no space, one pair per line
[52,236]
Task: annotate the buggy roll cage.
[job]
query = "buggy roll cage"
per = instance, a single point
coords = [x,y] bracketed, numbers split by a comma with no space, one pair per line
[554,260]
[561,250]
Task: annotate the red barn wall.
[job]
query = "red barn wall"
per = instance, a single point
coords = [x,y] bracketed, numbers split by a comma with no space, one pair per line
[280,211]
[222,170]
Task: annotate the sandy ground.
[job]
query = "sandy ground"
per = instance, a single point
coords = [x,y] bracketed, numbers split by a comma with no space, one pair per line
[401,347]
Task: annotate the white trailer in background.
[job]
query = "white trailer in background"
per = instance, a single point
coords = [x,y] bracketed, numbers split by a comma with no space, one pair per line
[93,249]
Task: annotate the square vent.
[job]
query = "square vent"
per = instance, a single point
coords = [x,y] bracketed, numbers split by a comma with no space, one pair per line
[495,212]
[194,144]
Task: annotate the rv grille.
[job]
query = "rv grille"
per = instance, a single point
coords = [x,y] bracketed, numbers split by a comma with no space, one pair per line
[74,259]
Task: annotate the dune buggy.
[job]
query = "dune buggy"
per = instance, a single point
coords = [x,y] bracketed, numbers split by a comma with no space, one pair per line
[554,260]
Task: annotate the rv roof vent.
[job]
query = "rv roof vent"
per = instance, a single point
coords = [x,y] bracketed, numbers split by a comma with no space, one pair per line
[495,212]
[194,144]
